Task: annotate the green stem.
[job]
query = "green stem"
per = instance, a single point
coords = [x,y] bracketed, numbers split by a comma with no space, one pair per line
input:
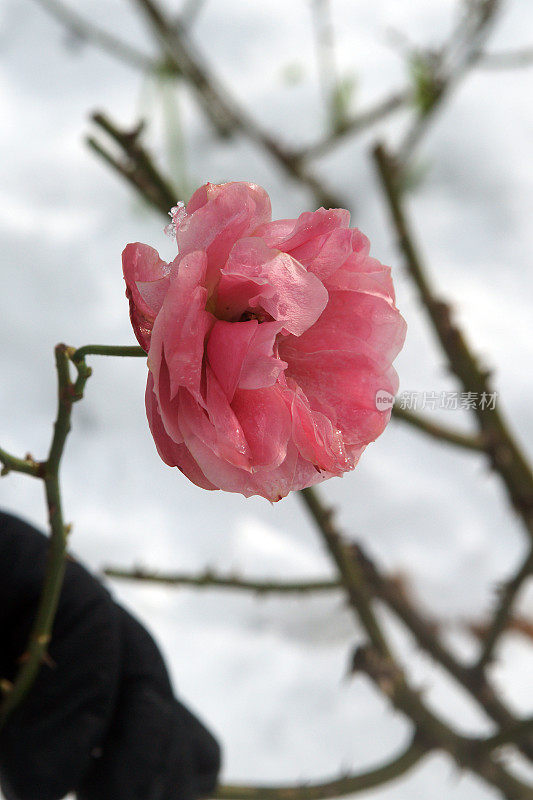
[107,350]
[208,579]
[25,465]
[55,565]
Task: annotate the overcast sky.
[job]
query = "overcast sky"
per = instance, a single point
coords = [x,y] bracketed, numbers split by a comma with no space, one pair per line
[268,675]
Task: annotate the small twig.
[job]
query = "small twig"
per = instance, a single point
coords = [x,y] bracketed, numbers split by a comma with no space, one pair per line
[84,29]
[209,580]
[470,754]
[348,784]
[425,633]
[138,168]
[68,393]
[448,66]
[377,661]
[503,611]
[190,11]
[326,62]
[180,51]
[25,465]
[506,457]
[356,124]
[349,570]
[129,351]
[444,434]
[512,734]
[513,59]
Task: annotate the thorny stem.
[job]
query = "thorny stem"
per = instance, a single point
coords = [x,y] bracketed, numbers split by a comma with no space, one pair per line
[68,393]
[55,565]
[349,784]
[209,579]
[506,457]
[376,660]
[503,611]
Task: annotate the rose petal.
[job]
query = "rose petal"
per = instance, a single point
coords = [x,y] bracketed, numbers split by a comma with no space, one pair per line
[142,263]
[217,216]
[266,423]
[316,439]
[241,354]
[175,455]
[352,322]
[287,234]
[258,278]
[343,386]
[182,325]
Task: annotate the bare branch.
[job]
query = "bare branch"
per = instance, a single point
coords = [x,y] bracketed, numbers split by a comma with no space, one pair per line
[356,124]
[506,456]
[86,30]
[440,432]
[447,67]
[348,784]
[512,59]
[179,49]
[210,580]
[503,611]
[137,167]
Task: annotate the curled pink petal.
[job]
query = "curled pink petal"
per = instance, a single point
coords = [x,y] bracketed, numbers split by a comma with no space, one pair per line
[265,281]
[217,216]
[269,343]
[142,263]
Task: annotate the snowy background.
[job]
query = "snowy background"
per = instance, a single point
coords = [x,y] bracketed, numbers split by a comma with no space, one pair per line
[267,674]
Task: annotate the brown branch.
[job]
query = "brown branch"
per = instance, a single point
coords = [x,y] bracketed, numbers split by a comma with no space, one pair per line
[440,432]
[180,51]
[377,661]
[446,68]
[512,59]
[356,124]
[82,28]
[468,753]
[502,614]
[348,784]
[506,456]
[425,633]
[136,165]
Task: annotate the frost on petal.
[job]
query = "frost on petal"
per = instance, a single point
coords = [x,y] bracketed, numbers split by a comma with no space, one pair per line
[241,354]
[217,216]
[259,279]
[141,263]
[182,325]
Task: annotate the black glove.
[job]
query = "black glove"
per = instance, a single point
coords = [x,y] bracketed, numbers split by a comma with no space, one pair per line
[101,719]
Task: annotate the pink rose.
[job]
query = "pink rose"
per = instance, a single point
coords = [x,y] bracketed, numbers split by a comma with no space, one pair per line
[267,342]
